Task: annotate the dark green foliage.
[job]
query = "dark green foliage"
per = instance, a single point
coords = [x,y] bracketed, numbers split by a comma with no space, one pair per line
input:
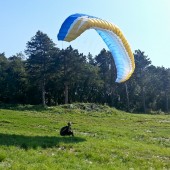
[50,76]
[40,51]
[13,81]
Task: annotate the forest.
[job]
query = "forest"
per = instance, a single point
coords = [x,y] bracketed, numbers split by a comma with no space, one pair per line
[46,75]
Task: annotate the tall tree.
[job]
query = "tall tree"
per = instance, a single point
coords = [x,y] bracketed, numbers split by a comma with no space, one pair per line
[105,62]
[17,79]
[3,75]
[54,86]
[12,79]
[167,89]
[141,72]
[72,64]
[39,52]
[164,87]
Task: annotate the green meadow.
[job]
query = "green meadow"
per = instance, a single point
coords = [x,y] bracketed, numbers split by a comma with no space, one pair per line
[105,139]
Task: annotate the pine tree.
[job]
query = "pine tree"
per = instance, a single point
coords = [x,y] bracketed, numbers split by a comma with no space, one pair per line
[39,51]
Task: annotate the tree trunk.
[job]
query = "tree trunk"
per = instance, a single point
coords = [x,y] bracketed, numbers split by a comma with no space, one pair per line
[43,93]
[65,82]
[127,97]
[143,99]
[66,93]
[167,107]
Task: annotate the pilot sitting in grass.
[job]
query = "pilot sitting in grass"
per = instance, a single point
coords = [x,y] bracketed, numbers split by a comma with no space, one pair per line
[66,130]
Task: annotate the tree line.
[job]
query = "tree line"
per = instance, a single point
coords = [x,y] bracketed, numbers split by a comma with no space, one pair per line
[50,76]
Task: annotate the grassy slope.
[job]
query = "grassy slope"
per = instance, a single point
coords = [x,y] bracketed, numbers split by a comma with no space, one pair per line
[104,139]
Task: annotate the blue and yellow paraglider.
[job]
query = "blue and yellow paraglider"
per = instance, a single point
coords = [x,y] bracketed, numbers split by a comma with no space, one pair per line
[123,57]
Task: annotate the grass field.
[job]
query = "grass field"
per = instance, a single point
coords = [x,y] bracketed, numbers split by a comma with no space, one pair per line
[105,139]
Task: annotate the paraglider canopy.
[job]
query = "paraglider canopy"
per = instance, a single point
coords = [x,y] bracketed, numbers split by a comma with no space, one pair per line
[123,57]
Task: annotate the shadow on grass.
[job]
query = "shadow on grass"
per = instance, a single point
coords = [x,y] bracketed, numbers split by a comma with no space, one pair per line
[27,142]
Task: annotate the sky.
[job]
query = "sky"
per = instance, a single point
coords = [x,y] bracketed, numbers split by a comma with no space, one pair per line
[144,23]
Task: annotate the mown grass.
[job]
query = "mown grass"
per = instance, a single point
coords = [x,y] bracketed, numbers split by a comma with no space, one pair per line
[105,139]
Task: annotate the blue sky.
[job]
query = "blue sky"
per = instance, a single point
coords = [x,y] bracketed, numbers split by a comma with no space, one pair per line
[145,24]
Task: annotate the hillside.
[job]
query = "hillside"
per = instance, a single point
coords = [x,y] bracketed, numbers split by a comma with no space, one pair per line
[105,139]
